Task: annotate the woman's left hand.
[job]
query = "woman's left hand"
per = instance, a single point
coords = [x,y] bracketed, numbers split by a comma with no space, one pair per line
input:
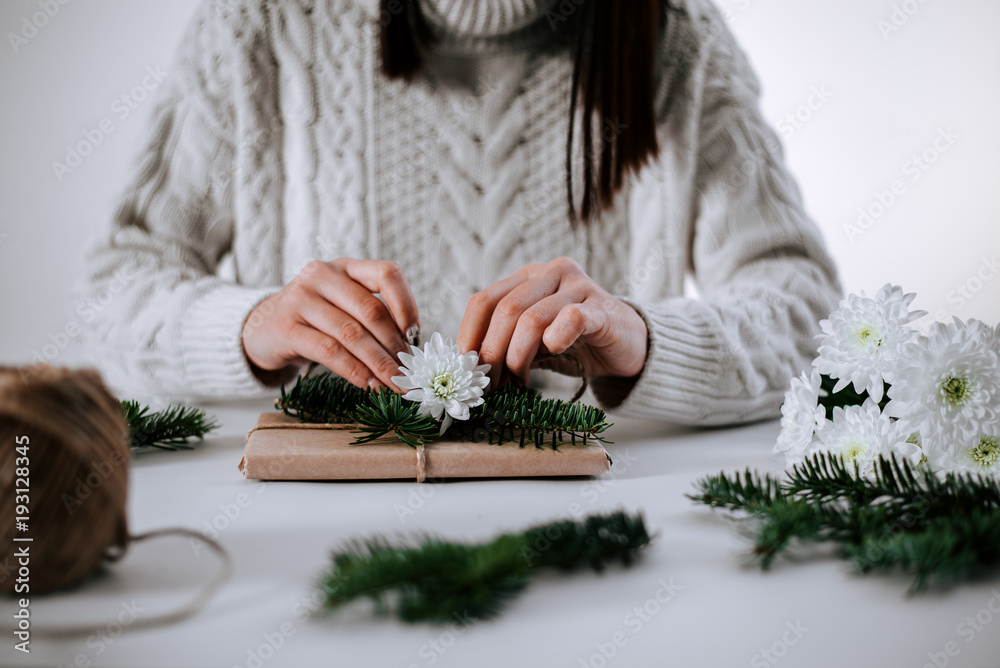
[553,308]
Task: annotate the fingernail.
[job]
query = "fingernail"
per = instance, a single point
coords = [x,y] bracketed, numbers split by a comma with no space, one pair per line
[373,384]
[413,335]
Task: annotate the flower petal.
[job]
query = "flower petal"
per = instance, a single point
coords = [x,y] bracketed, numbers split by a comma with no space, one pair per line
[445,423]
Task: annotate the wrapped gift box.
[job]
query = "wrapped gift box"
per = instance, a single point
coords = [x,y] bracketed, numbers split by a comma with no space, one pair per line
[279,447]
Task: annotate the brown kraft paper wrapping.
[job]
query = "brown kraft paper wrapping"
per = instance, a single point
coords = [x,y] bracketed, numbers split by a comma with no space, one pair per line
[280,447]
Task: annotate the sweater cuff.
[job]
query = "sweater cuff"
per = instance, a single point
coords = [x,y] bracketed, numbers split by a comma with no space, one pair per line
[214,361]
[683,366]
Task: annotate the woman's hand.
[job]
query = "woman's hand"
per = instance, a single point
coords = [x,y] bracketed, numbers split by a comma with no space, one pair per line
[552,308]
[329,314]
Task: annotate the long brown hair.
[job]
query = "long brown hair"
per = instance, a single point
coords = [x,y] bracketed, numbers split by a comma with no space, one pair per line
[614,78]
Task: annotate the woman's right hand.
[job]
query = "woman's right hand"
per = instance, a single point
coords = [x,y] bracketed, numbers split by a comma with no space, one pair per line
[329,314]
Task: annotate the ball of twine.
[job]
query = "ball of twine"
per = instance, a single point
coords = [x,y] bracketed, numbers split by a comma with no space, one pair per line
[77,453]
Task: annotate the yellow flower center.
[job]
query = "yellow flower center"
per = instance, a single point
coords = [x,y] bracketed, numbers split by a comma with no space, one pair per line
[854,450]
[987,452]
[443,384]
[867,335]
[956,391]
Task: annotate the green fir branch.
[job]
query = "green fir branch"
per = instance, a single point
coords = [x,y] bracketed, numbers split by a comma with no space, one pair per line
[940,529]
[435,580]
[521,414]
[386,412]
[169,429]
[323,398]
[510,414]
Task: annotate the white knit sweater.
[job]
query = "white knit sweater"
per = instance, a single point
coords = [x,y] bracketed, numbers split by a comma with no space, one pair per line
[278,140]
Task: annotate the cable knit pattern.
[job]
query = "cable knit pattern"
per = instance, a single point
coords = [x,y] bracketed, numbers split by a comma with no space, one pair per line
[277,139]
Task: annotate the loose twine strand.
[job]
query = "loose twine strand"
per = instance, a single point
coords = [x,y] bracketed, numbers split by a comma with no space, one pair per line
[66,447]
[189,609]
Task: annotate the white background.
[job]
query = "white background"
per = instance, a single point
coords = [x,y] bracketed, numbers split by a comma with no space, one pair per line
[889,98]
[890,94]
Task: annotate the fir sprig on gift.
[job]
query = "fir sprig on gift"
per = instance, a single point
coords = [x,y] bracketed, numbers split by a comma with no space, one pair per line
[941,528]
[510,414]
[322,398]
[169,429]
[521,414]
[381,413]
[436,580]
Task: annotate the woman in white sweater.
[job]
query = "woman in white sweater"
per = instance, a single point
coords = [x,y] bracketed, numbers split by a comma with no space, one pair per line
[424,151]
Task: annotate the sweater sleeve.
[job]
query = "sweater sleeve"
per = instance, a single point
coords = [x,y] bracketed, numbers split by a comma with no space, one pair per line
[759,263]
[158,321]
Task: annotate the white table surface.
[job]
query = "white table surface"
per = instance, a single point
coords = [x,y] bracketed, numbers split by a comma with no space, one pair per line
[724,610]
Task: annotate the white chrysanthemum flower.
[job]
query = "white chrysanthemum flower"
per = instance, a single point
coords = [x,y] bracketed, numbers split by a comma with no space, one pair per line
[948,386]
[861,433]
[862,339]
[445,382]
[981,455]
[801,418]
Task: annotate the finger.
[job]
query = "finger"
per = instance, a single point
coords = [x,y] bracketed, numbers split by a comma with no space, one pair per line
[527,337]
[574,321]
[319,347]
[505,317]
[357,301]
[387,279]
[476,320]
[353,337]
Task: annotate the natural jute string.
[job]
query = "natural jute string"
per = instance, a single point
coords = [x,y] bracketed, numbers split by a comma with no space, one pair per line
[64,462]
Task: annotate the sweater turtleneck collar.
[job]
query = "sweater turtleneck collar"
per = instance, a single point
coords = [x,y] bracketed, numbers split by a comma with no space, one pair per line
[478,25]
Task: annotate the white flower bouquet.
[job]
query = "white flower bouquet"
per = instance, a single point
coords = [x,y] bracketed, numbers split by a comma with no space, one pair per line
[879,388]
[891,447]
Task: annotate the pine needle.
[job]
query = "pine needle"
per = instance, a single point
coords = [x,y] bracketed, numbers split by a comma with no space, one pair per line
[386,412]
[439,581]
[940,529]
[169,429]
[510,414]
